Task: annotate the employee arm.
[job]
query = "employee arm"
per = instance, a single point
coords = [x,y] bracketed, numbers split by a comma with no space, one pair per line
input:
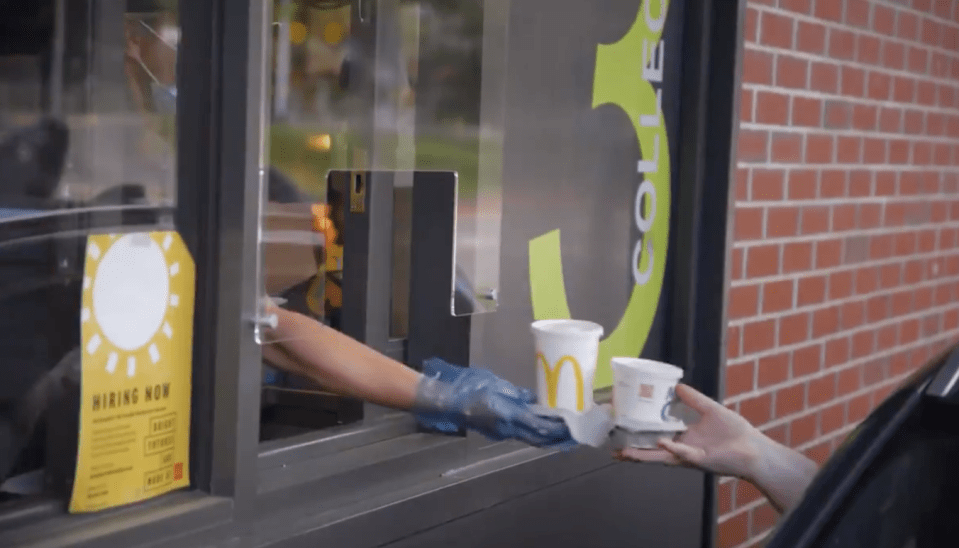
[445,398]
[338,362]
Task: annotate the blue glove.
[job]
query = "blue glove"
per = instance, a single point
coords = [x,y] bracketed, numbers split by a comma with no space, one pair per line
[451,398]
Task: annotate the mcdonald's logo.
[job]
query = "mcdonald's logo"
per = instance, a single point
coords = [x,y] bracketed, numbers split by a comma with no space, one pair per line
[552,379]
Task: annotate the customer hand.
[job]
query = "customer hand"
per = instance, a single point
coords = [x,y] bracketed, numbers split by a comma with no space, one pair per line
[451,398]
[721,441]
[725,443]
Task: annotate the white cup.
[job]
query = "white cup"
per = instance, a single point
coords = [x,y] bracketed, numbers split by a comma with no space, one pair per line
[643,391]
[566,353]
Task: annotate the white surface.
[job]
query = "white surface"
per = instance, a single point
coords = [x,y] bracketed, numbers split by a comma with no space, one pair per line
[643,390]
[130,291]
[556,339]
[590,428]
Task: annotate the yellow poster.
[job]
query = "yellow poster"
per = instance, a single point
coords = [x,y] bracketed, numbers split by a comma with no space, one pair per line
[137,346]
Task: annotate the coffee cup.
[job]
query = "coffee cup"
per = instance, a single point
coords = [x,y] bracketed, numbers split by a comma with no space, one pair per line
[566,352]
[643,392]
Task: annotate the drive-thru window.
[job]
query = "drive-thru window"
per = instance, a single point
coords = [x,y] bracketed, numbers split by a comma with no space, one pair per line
[426,176]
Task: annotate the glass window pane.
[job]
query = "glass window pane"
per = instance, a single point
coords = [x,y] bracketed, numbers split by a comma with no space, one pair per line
[87,146]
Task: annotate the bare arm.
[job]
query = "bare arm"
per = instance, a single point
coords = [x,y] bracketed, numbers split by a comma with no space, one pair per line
[341,364]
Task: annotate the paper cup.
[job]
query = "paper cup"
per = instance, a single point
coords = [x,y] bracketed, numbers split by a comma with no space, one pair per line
[566,353]
[643,391]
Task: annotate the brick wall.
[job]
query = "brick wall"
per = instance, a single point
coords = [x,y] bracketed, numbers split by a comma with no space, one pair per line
[846,254]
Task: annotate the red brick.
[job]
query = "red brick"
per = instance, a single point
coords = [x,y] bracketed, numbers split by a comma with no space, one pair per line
[914,122]
[802,184]
[926,93]
[828,253]
[746,98]
[749,223]
[811,290]
[908,25]
[777,296]
[918,60]
[822,389]
[807,360]
[869,49]
[740,378]
[746,493]
[886,337]
[931,32]
[776,30]
[794,328]
[838,114]
[905,243]
[867,280]
[877,308]
[852,314]
[790,400]
[874,150]
[798,6]
[832,183]
[879,86]
[832,418]
[848,149]
[791,72]
[733,531]
[807,112]
[890,120]
[797,257]
[767,184]
[849,381]
[824,77]
[898,151]
[815,220]
[759,336]
[881,246]
[724,497]
[860,182]
[762,260]
[757,410]
[863,343]
[819,453]
[811,38]
[743,301]
[802,430]
[865,117]
[764,518]
[752,23]
[859,408]
[921,153]
[857,13]
[837,352]
[894,55]
[782,222]
[825,322]
[890,276]
[883,20]
[842,44]
[757,67]
[773,370]
[733,347]
[779,434]
[772,108]
[843,217]
[753,146]
[829,10]
[903,89]
[786,148]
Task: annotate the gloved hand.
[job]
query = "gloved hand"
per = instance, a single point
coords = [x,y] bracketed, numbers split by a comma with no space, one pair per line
[450,398]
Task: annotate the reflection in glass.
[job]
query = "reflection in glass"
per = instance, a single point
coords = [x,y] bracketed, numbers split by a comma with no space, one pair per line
[87,122]
[417,87]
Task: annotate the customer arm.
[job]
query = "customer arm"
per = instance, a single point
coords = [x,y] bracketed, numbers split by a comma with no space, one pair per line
[725,443]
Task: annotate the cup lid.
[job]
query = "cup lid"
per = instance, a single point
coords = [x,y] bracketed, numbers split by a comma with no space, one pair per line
[567,328]
[650,367]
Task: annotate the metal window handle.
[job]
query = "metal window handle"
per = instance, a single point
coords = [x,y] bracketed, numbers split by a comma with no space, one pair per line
[271,321]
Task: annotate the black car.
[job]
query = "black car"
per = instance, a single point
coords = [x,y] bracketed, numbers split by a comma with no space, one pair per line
[894,483]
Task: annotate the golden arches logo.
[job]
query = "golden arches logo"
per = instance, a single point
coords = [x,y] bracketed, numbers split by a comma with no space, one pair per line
[552,379]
